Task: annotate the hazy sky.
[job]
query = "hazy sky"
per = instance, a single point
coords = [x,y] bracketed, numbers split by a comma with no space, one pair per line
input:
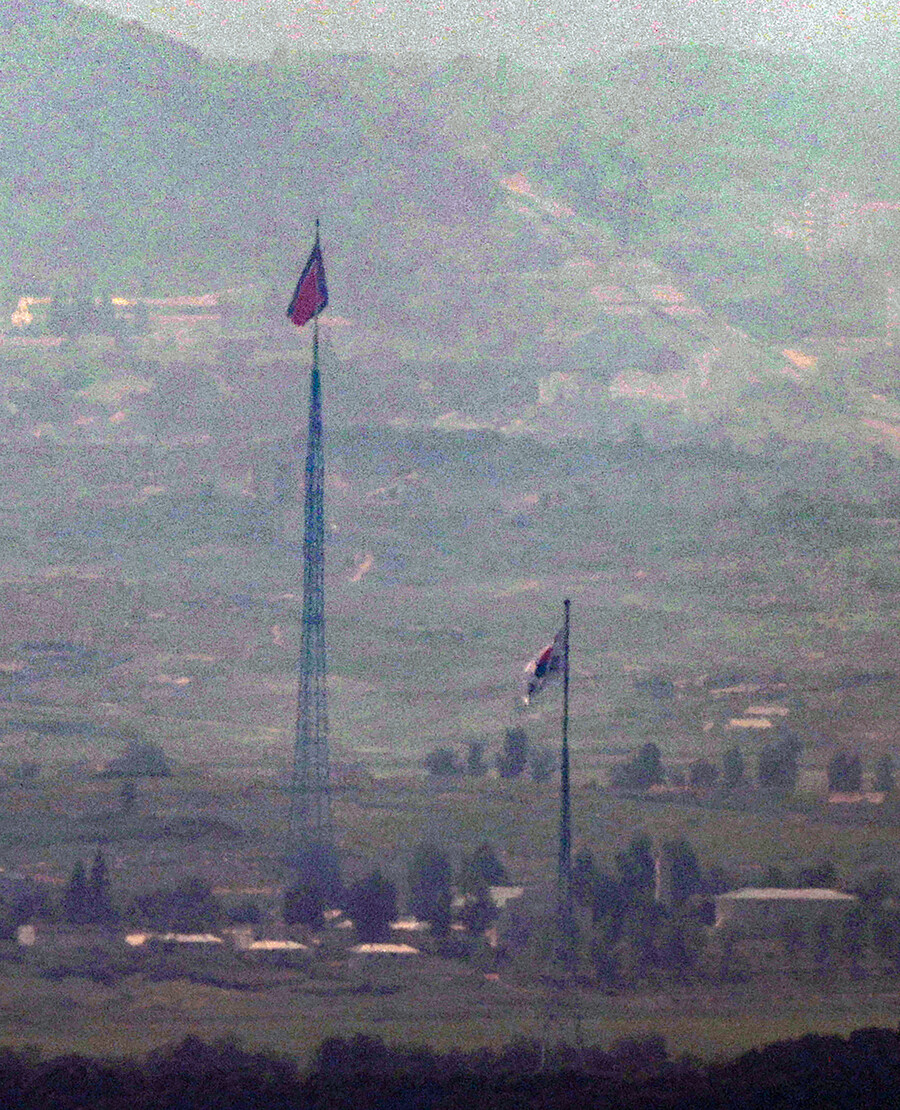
[854,33]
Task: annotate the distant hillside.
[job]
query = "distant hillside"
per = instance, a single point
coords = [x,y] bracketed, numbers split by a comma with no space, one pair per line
[646,217]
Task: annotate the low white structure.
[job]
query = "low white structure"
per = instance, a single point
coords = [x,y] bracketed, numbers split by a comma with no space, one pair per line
[276,946]
[763,911]
[374,949]
[136,940]
[500,895]
[410,925]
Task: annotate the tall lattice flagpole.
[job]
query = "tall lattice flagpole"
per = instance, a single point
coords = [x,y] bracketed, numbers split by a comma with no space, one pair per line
[310,826]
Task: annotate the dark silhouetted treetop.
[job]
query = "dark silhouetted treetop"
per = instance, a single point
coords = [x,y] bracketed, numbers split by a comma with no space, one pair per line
[481,868]
[684,869]
[429,888]
[186,908]
[475,764]
[443,761]
[637,869]
[702,774]
[884,774]
[75,899]
[513,759]
[100,907]
[643,770]
[845,772]
[732,768]
[779,766]
[372,905]
[141,758]
[304,904]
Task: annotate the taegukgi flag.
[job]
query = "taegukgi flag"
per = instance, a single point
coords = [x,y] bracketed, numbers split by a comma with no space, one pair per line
[546,665]
[311,294]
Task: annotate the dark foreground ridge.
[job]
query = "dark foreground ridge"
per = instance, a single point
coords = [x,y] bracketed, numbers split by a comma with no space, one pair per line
[814,1072]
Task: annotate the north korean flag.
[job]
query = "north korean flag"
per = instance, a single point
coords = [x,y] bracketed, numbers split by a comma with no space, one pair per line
[545,666]
[311,294]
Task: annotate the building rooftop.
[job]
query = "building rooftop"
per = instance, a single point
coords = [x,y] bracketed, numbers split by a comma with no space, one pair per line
[384,950]
[793,894]
[277,946]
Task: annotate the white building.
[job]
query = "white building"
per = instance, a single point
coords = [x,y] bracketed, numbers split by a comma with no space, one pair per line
[762,912]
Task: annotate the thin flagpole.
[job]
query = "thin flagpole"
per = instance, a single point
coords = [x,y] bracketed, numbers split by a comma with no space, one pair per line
[565,815]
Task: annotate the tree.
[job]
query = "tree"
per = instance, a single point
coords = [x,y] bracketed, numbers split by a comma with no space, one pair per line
[732,768]
[542,762]
[644,769]
[481,869]
[702,774]
[478,912]
[637,870]
[609,907]
[687,877]
[429,888]
[442,762]
[778,766]
[820,874]
[75,899]
[475,764]
[884,774]
[140,758]
[851,938]
[190,906]
[845,772]
[317,867]
[584,879]
[304,904]
[128,795]
[372,904]
[244,913]
[513,759]
[679,943]
[99,903]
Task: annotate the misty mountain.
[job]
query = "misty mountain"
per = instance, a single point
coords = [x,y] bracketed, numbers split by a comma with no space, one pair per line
[610,219]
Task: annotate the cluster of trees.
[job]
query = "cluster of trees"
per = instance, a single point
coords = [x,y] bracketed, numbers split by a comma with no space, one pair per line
[372,902]
[632,932]
[516,756]
[845,773]
[778,768]
[86,899]
[187,906]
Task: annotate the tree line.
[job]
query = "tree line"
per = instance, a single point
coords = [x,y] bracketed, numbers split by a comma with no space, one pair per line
[777,770]
[371,902]
[516,756]
[362,1073]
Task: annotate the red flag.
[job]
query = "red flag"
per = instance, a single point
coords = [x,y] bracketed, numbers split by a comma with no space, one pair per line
[546,665]
[311,294]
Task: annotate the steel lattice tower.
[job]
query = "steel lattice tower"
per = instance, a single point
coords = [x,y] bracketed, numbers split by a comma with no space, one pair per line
[310,824]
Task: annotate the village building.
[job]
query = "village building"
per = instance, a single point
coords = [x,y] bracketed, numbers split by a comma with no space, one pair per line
[764,911]
[386,949]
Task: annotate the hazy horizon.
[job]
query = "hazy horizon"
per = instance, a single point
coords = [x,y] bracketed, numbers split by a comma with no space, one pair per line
[853,35]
